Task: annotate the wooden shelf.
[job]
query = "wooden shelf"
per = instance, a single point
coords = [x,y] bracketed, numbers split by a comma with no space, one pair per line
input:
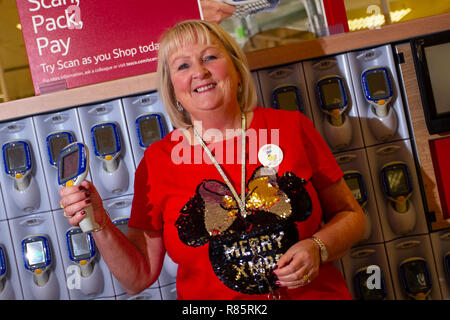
[77,96]
[345,42]
[257,60]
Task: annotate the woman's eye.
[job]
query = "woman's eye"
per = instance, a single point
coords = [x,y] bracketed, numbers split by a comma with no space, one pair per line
[209,58]
[183,66]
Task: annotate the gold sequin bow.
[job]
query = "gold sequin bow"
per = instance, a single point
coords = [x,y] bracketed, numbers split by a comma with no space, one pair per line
[264,194]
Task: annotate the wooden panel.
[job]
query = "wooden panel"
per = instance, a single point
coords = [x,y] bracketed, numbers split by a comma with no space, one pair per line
[421,136]
[78,96]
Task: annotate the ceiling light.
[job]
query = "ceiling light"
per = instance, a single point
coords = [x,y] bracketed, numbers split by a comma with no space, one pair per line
[376,20]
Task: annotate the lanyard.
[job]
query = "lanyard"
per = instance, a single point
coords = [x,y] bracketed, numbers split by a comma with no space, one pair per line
[273,294]
[240,201]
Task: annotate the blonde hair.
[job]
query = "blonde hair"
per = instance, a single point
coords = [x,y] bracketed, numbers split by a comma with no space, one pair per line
[193,32]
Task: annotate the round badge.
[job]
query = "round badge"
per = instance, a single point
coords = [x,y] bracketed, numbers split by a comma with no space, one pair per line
[270,155]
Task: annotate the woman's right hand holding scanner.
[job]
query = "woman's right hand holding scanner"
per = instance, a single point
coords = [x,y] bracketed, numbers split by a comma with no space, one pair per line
[74,199]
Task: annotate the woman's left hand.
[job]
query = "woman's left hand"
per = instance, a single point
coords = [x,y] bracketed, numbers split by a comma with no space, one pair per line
[215,11]
[299,265]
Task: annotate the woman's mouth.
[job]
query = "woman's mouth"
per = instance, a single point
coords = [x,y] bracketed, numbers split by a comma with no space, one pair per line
[205,88]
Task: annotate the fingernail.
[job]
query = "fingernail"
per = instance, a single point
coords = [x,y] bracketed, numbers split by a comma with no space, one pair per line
[88,201]
[87,194]
[81,188]
[83,212]
[277,283]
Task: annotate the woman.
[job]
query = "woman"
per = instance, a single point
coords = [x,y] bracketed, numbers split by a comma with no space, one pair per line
[243,218]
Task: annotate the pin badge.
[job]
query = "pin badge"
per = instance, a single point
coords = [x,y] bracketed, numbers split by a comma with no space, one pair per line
[270,155]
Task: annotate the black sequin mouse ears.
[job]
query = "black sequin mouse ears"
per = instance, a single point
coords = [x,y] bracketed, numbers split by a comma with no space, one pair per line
[244,250]
[213,210]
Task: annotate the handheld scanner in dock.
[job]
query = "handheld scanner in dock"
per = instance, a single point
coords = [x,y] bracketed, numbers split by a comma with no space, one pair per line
[332,98]
[106,142]
[149,129]
[397,185]
[17,160]
[447,264]
[239,2]
[37,257]
[3,267]
[415,278]
[57,141]
[356,184]
[248,7]
[122,224]
[81,249]
[377,89]
[287,97]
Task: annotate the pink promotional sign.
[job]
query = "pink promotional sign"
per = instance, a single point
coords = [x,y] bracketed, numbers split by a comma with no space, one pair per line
[72,43]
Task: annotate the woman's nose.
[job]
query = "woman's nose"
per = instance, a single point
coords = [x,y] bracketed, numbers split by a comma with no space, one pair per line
[200,71]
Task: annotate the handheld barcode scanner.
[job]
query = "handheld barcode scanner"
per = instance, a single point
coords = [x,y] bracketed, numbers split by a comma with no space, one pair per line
[415,278]
[18,164]
[122,224]
[332,99]
[106,142]
[287,97]
[239,2]
[149,129]
[364,289]
[81,249]
[355,182]
[333,102]
[397,185]
[3,268]
[247,7]
[57,141]
[37,257]
[377,89]
[73,167]
[447,264]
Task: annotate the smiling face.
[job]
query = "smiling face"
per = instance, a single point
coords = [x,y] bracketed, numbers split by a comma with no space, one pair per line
[204,78]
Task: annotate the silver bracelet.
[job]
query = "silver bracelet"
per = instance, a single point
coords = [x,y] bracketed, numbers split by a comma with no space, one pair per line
[107,217]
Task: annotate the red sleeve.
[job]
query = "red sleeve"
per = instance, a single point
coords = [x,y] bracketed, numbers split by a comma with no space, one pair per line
[145,211]
[325,170]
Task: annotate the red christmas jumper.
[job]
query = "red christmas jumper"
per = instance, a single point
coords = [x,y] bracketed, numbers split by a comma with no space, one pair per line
[165,190]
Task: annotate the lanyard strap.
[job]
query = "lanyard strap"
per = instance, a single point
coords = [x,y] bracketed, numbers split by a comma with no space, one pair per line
[239,201]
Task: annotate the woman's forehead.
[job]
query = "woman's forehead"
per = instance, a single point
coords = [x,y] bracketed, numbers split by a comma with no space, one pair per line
[180,47]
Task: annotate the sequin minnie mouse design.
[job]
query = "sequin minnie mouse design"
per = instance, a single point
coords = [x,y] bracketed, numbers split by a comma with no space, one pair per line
[244,250]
